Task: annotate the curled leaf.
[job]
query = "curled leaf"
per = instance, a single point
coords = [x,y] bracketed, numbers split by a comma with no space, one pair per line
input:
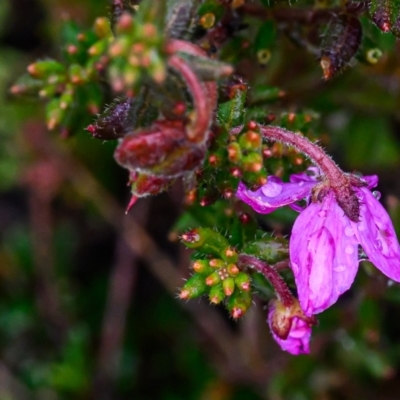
[340,44]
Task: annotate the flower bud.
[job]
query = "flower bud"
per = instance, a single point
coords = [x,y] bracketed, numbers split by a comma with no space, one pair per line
[230,255]
[213,279]
[202,267]
[242,281]
[48,91]
[207,21]
[205,239]
[228,285]
[54,114]
[102,27]
[124,24]
[253,162]
[238,303]
[98,48]
[234,152]
[77,74]
[217,263]
[115,120]
[232,269]
[42,69]
[290,328]
[194,287]
[250,140]
[160,149]
[216,294]
[145,185]
[66,99]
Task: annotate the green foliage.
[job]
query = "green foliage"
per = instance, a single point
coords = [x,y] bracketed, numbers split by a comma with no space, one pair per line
[264,57]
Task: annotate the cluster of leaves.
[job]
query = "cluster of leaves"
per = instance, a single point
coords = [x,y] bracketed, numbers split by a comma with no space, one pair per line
[216,269]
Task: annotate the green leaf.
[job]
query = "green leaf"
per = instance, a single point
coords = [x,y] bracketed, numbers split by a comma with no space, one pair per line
[231,113]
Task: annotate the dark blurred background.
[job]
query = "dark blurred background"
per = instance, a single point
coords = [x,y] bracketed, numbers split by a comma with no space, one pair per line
[88,306]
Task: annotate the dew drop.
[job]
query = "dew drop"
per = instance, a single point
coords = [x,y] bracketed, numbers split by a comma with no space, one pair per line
[271,189]
[390,283]
[301,183]
[340,268]
[348,231]
[349,249]
[378,244]
[322,213]
[376,194]
[361,227]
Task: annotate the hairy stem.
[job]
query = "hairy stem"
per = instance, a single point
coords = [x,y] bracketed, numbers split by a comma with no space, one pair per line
[196,130]
[335,175]
[282,291]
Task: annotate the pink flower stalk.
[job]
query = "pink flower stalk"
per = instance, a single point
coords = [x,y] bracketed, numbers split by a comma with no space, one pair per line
[324,241]
[290,328]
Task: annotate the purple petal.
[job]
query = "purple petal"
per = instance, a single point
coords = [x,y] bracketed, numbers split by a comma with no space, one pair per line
[377,236]
[323,253]
[311,174]
[274,194]
[372,181]
[298,340]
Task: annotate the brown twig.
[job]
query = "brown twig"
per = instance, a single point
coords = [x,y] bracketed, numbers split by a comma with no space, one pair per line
[43,181]
[122,282]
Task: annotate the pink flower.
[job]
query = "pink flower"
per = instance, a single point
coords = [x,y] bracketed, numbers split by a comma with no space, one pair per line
[324,241]
[290,328]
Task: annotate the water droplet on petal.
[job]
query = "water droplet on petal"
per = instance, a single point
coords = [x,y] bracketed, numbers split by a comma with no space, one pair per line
[378,244]
[322,214]
[349,249]
[348,231]
[271,189]
[340,268]
[376,194]
[301,183]
[361,227]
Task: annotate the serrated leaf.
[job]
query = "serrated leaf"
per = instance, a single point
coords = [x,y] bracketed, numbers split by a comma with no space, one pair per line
[231,113]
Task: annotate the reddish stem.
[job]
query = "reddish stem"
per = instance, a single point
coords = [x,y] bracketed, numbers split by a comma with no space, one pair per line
[196,131]
[335,175]
[176,46]
[282,291]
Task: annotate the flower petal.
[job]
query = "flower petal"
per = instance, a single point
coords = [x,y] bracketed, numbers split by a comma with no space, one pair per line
[311,174]
[304,250]
[372,181]
[298,339]
[345,260]
[377,236]
[274,194]
[324,256]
